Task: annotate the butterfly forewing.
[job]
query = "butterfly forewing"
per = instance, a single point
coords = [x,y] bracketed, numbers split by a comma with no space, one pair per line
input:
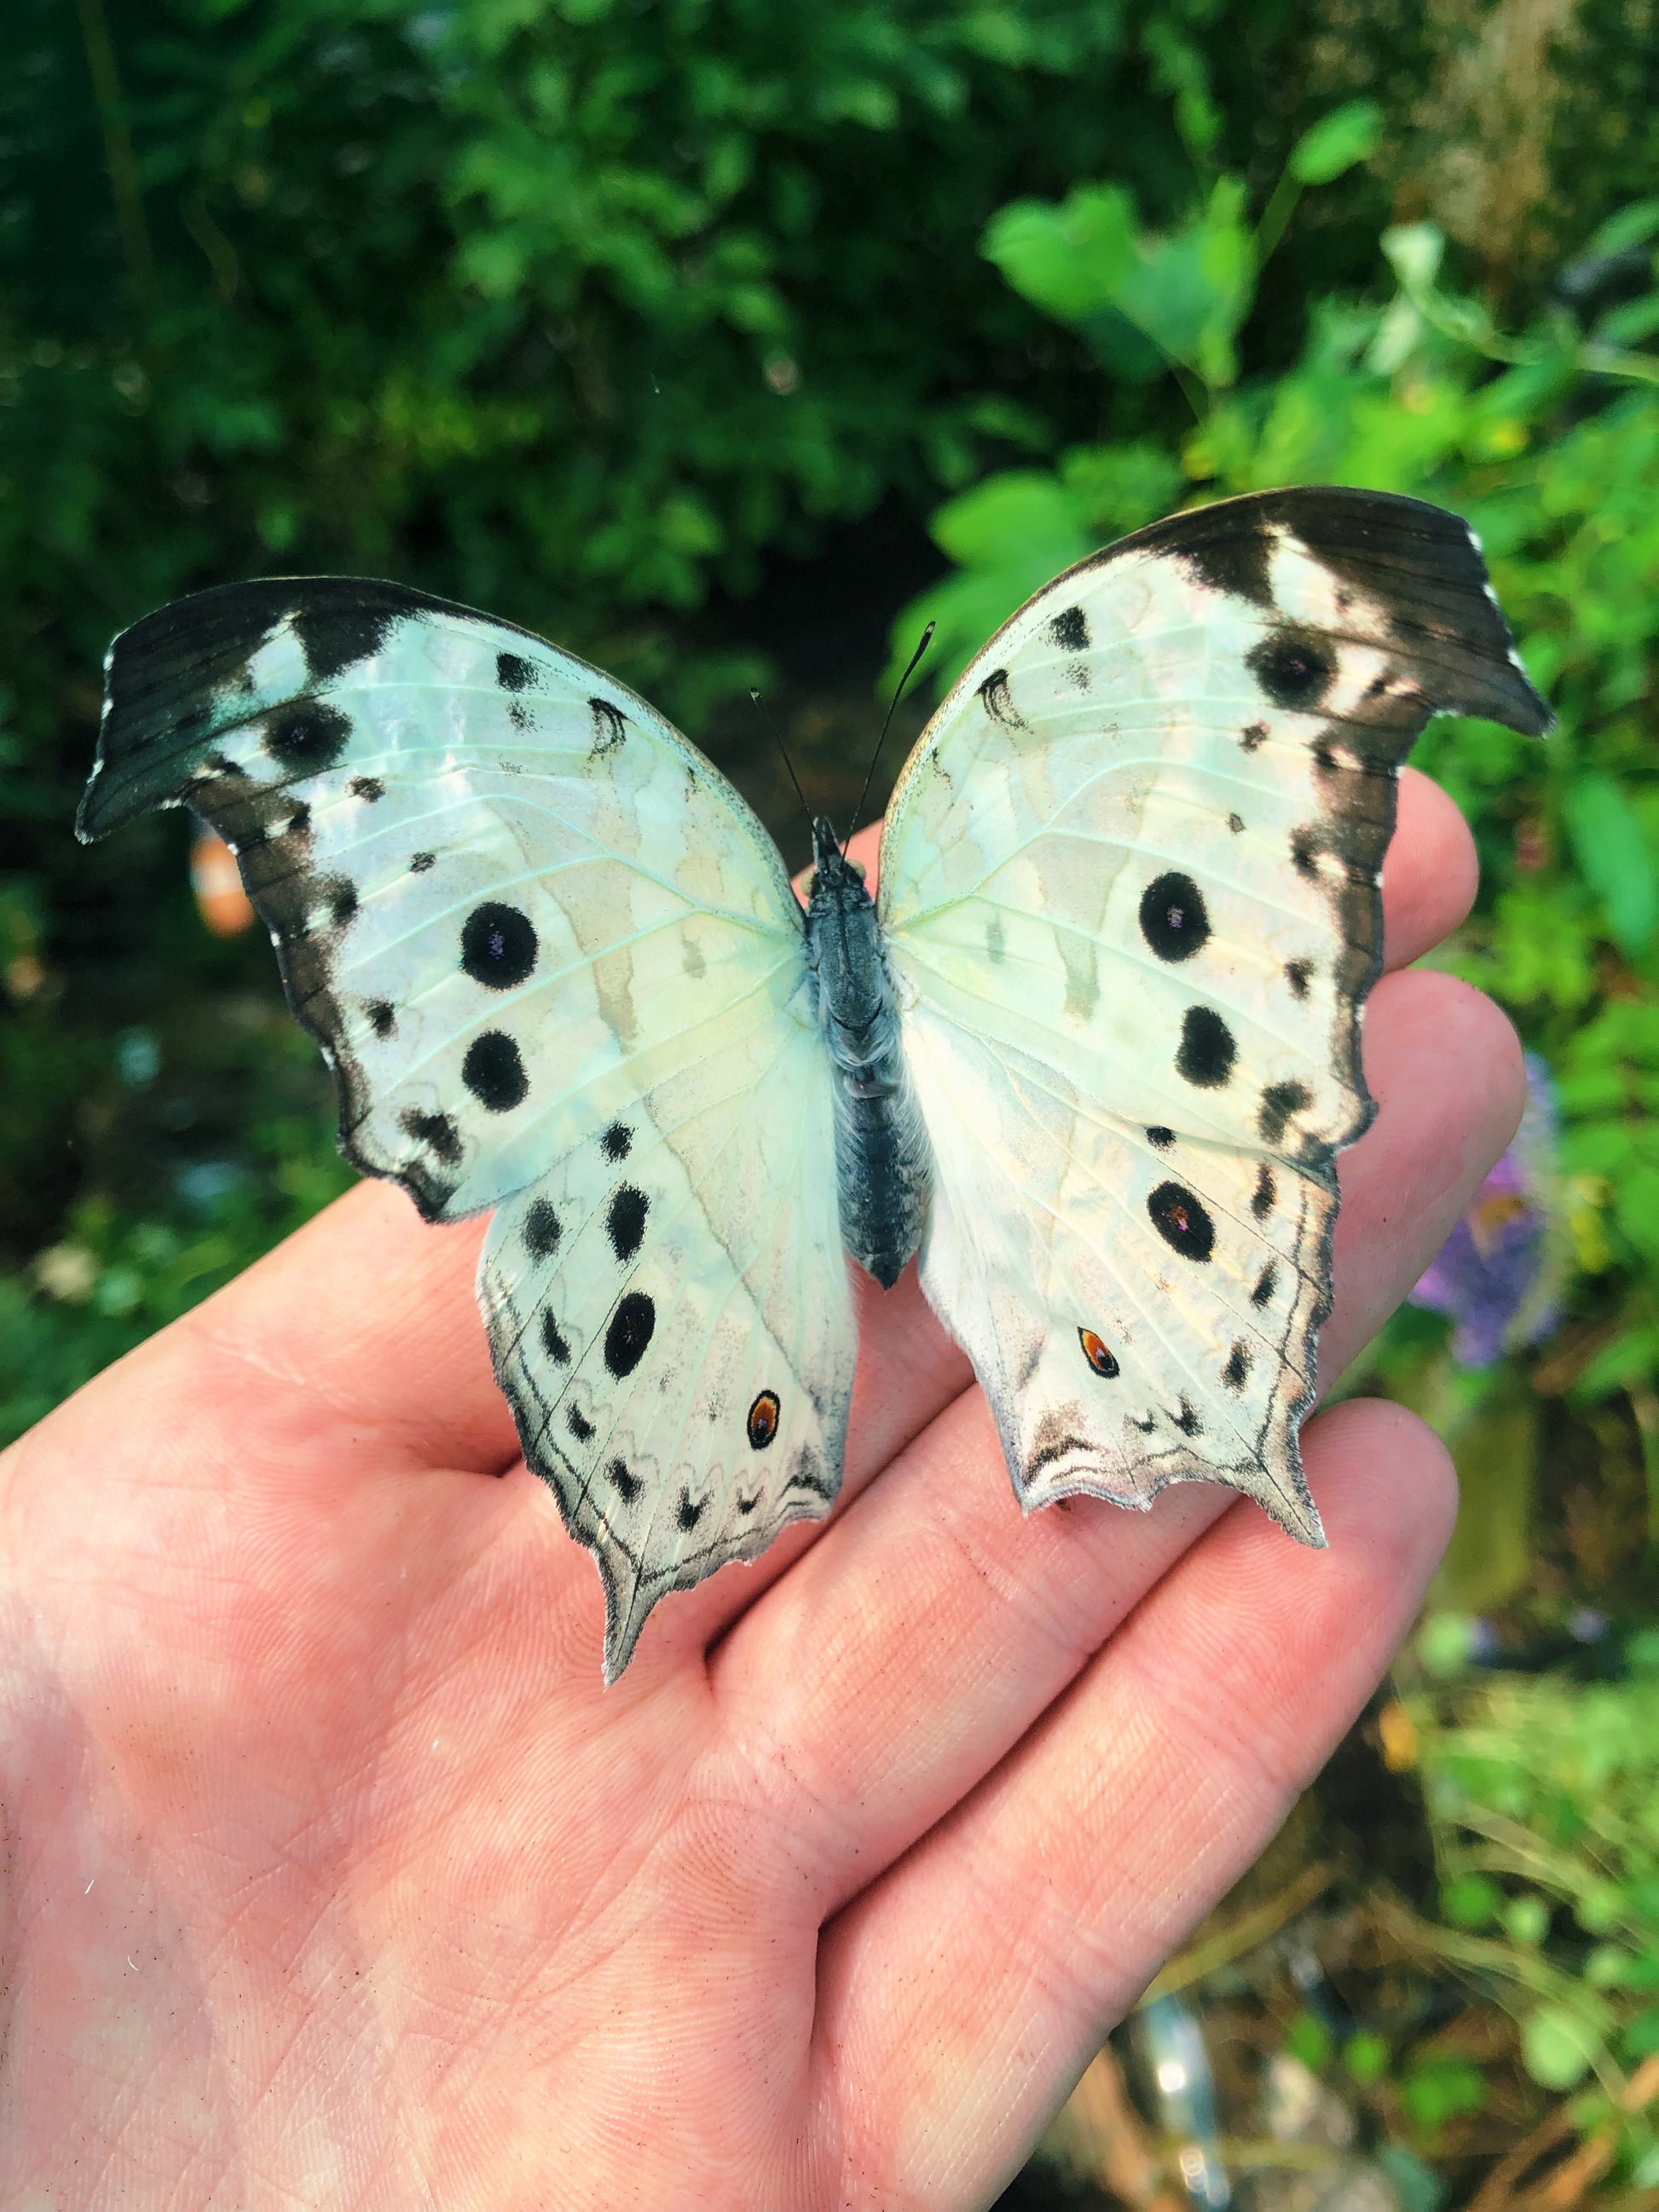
[1130,880]
[558,967]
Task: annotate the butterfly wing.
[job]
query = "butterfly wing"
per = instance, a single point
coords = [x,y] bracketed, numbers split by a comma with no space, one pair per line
[557,968]
[1130,881]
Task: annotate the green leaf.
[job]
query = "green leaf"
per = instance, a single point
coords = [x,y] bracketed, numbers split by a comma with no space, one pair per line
[1008,517]
[1071,260]
[1308,2040]
[1632,226]
[1471,1900]
[1348,133]
[1613,853]
[1635,1207]
[1631,1357]
[1442,2090]
[1366,2057]
[1557,2047]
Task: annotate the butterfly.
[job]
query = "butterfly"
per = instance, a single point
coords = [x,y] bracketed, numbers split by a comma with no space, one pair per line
[1090,1051]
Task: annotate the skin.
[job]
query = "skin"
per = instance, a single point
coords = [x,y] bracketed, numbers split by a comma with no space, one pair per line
[331,1876]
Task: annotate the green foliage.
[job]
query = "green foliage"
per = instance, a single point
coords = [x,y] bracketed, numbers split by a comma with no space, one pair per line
[1544,1795]
[1437,2089]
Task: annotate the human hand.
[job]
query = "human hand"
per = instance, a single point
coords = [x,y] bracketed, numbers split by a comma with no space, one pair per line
[333,1878]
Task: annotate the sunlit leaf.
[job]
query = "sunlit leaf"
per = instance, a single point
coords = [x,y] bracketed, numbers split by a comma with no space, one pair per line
[1349,134]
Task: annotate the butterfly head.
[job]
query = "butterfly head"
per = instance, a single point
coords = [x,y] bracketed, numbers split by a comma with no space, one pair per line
[831,866]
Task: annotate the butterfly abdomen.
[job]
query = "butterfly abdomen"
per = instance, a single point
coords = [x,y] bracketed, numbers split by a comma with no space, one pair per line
[882,1159]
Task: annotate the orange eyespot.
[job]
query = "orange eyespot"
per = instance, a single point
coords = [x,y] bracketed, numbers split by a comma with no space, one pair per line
[1096,1353]
[763,1420]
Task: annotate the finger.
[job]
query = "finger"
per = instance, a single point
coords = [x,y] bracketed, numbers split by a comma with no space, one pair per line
[961,1996]
[1431,874]
[927,1630]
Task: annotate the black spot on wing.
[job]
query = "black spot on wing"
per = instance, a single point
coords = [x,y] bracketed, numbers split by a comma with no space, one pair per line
[493,1071]
[625,1221]
[1265,1196]
[1181,1219]
[514,672]
[626,1485]
[307,738]
[553,1338]
[541,1229]
[687,1513]
[578,1424]
[335,634]
[1266,1283]
[1188,1421]
[1233,556]
[420,862]
[610,728]
[1235,823]
[382,1016]
[1069,630]
[342,898]
[1236,1371]
[1160,1139]
[1297,974]
[999,700]
[498,945]
[617,1141]
[1279,1102]
[366,787]
[1293,668]
[1253,735]
[1174,919]
[630,1332]
[1207,1050]
[435,1130]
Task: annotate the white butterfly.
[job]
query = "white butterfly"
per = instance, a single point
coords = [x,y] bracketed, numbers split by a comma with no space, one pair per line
[1094,1048]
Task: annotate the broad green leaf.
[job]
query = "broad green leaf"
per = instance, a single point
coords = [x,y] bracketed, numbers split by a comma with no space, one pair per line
[1609,846]
[1072,261]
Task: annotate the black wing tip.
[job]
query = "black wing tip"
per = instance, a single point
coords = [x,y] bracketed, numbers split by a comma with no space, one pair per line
[1431,555]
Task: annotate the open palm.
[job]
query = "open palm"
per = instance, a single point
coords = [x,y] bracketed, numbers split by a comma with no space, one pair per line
[333,1878]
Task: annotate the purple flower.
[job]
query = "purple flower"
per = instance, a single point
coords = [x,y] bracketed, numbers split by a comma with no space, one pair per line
[1499,1274]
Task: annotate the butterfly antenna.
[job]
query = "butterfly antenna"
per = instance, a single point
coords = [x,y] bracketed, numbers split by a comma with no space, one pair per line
[777,739]
[870,773]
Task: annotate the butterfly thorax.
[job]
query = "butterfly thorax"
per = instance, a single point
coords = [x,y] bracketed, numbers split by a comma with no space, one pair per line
[882,1159]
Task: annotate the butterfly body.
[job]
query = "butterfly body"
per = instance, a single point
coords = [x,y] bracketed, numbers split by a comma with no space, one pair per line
[881,1141]
[1091,1052]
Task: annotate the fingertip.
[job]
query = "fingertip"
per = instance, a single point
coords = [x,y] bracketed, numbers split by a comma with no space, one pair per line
[1431,874]
[1386,1480]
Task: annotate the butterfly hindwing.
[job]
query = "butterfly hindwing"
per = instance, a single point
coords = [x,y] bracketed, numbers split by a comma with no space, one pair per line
[744,1344]
[1131,884]
[557,968]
